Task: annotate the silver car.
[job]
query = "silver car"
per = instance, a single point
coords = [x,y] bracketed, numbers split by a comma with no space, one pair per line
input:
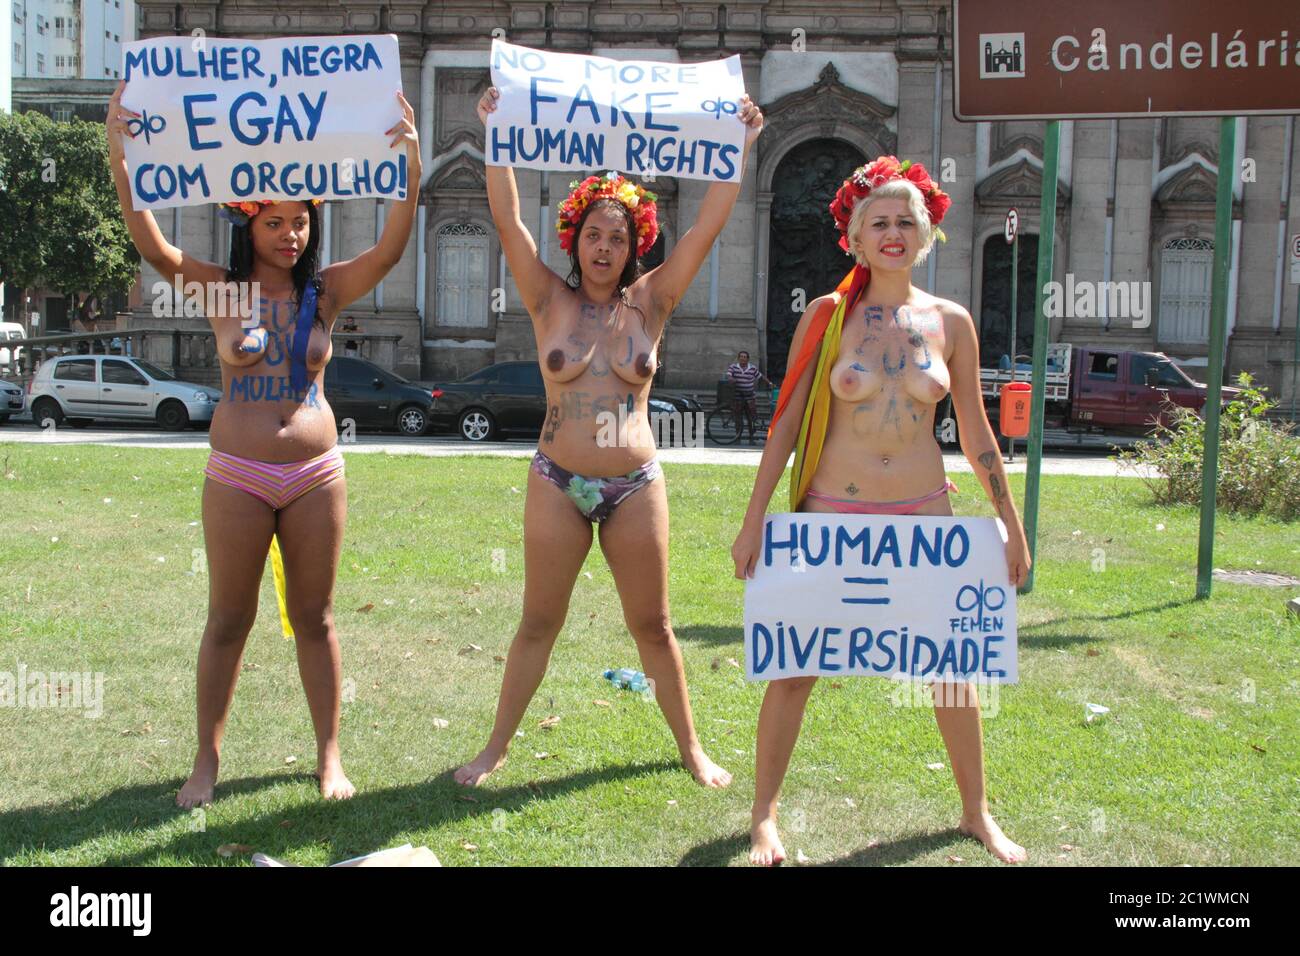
[81,388]
[12,400]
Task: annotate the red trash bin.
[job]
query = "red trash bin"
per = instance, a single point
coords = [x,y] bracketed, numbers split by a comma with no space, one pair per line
[1013,419]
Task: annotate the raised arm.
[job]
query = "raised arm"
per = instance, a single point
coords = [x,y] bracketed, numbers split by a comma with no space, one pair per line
[978,443]
[776,453]
[536,281]
[345,282]
[668,282]
[168,260]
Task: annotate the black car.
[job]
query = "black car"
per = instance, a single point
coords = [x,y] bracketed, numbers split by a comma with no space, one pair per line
[509,399]
[374,397]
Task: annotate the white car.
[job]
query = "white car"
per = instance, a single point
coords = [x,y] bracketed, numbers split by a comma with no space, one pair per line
[81,388]
[12,400]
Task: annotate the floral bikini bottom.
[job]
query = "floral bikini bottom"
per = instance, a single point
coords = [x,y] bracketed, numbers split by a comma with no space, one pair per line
[596,498]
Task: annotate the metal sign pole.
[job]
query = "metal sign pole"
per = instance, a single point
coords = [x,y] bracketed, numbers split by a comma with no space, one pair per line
[1015,276]
[1218,335]
[1295,371]
[1046,247]
[1295,280]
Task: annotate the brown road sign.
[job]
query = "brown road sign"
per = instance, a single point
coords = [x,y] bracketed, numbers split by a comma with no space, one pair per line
[1030,59]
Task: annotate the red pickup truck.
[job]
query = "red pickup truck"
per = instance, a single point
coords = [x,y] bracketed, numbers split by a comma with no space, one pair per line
[1098,390]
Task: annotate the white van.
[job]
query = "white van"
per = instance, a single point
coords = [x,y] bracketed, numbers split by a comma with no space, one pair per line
[9,332]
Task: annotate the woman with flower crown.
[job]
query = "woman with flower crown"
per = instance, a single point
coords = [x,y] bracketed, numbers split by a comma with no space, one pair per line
[597,334]
[275,474]
[868,364]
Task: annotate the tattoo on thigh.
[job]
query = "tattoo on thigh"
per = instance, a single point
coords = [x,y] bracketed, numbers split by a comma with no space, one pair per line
[987,458]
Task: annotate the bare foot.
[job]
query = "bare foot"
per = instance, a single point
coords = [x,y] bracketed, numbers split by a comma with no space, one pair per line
[197,791]
[706,772]
[765,847]
[480,768]
[985,830]
[334,784]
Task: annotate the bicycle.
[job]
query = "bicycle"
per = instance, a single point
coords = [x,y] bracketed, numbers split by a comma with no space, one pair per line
[725,427]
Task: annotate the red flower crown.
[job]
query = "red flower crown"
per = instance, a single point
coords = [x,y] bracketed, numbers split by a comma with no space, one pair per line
[242,212]
[638,200]
[866,178]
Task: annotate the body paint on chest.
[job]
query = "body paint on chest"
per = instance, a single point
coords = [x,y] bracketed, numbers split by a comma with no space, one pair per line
[271,388]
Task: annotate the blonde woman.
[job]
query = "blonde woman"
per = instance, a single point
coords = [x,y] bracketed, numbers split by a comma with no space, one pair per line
[890,353]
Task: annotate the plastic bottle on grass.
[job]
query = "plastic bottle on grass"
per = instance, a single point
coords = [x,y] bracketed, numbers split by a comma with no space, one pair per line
[627,679]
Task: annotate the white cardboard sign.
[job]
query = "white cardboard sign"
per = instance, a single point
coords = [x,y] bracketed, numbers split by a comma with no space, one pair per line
[225,119]
[907,597]
[571,111]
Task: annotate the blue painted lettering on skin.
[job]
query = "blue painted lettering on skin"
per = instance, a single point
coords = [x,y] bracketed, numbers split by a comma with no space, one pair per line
[271,388]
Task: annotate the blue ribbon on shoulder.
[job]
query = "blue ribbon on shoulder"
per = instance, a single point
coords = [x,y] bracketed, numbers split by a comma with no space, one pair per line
[301,338]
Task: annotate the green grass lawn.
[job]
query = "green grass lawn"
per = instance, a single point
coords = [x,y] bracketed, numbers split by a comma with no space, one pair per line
[1196,763]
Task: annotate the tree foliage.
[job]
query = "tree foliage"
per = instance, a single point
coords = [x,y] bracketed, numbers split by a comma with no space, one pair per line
[62,225]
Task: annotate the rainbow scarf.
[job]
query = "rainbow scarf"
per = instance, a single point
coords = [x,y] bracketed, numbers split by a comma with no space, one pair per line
[821,342]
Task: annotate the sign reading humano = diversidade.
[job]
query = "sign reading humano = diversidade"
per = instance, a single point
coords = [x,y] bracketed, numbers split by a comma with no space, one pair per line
[225,119]
[907,597]
[569,111]
[1030,59]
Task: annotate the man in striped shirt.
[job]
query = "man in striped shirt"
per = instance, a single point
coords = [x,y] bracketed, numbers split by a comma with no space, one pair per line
[745,376]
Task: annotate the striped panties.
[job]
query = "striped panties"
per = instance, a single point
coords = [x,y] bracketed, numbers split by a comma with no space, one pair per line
[276,483]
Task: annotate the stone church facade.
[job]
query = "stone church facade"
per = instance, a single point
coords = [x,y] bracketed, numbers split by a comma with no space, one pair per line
[840,82]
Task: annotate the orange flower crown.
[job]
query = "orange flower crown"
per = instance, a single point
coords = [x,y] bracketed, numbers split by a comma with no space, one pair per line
[638,200]
[866,178]
[241,213]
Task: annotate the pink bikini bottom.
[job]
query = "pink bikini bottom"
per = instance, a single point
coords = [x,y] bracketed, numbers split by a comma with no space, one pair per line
[851,506]
[276,483]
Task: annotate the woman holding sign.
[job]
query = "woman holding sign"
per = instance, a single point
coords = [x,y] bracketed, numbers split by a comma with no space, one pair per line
[597,334]
[275,471]
[868,364]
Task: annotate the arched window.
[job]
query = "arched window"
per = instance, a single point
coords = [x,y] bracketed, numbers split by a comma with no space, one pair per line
[463,270]
[1185,267]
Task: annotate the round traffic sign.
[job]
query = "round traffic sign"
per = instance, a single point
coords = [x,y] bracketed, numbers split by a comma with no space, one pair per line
[1011,225]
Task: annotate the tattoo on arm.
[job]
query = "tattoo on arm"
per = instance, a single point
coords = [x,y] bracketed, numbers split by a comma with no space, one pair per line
[989,459]
[999,495]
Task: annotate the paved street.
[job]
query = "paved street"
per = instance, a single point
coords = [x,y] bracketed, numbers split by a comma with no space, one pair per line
[1088,461]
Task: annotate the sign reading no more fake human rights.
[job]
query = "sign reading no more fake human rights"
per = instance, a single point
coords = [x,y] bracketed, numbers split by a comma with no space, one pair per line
[1029,59]
[224,119]
[571,111]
